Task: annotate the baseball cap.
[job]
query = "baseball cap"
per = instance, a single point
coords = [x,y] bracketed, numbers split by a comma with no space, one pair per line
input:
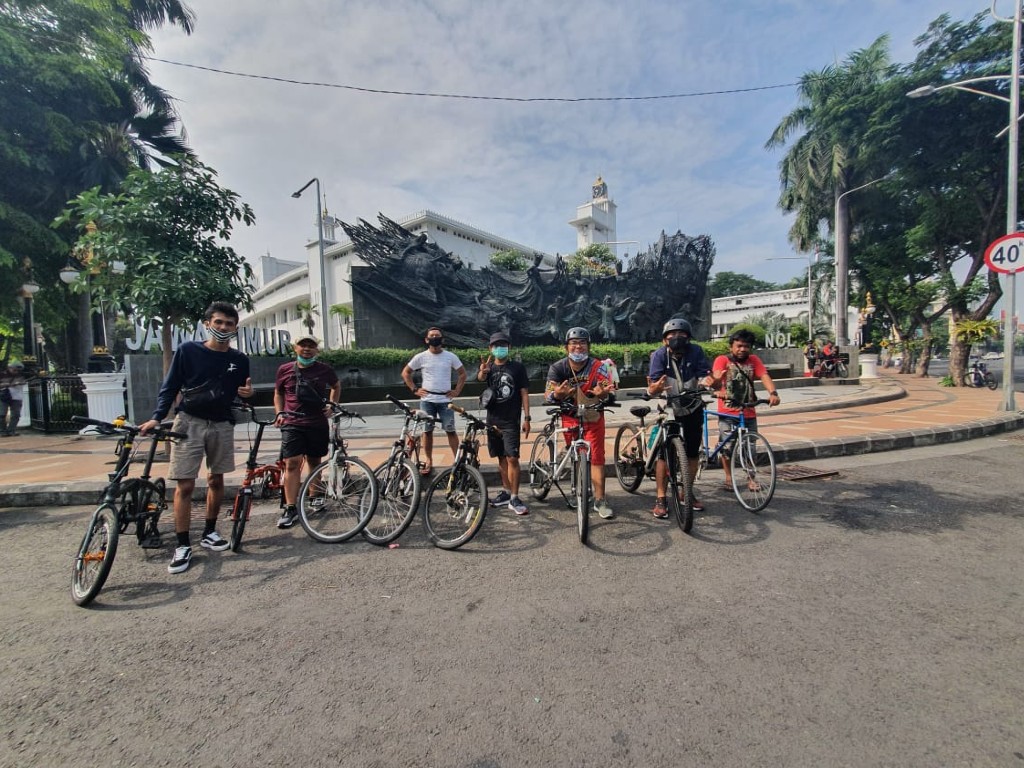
[307,337]
[498,337]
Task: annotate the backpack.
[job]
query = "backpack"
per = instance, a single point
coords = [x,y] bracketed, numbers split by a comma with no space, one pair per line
[739,387]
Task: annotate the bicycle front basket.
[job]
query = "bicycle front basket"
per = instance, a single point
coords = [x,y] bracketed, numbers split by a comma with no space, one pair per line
[689,402]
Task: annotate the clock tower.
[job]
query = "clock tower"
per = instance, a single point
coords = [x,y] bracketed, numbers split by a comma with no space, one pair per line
[595,219]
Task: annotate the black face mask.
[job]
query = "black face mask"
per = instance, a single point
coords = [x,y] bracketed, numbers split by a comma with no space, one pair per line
[435,342]
[678,343]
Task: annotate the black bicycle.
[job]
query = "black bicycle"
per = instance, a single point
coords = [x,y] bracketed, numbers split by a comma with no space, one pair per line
[126,502]
[456,501]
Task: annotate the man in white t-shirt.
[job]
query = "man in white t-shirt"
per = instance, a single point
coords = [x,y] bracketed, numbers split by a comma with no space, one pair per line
[436,391]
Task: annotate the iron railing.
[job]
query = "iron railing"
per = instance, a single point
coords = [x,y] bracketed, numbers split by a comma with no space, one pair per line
[53,400]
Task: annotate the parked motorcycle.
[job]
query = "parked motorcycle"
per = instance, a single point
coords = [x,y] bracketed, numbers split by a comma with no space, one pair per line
[978,375]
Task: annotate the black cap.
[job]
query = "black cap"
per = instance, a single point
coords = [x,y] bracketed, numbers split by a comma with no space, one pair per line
[499,336]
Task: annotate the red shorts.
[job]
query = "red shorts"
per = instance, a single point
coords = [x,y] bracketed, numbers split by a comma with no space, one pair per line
[593,433]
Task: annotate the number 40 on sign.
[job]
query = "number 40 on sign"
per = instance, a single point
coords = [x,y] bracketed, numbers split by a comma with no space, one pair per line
[1006,254]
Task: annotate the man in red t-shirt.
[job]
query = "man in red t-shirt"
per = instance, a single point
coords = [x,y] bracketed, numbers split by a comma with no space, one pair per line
[303,387]
[742,367]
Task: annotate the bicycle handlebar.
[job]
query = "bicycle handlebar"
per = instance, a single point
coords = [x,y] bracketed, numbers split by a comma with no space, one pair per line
[418,415]
[341,412]
[475,421]
[163,432]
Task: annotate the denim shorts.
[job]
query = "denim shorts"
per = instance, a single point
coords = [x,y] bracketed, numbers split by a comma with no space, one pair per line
[438,411]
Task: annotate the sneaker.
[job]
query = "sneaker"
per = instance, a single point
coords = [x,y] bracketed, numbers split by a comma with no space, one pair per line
[288,517]
[503,497]
[181,560]
[660,508]
[517,506]
[213,541]
[602,508]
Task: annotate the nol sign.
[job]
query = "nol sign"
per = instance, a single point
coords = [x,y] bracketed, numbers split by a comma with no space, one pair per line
[1006,254]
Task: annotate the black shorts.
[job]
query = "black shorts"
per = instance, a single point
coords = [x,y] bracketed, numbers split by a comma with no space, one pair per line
[504,445]
[305,441]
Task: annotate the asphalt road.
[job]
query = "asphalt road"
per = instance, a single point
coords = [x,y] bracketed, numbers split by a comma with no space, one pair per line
[871,618]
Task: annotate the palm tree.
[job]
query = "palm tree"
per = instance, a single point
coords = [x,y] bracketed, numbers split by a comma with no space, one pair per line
[307,311]
[344,314]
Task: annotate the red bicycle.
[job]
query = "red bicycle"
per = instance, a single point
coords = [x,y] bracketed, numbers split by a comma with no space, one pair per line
[261,481]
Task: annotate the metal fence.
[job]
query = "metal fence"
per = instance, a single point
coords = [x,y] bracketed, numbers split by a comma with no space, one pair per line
[53,400]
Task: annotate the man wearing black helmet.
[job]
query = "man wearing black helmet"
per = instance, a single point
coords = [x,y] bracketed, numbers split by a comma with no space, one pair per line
[580,377]
[675,366]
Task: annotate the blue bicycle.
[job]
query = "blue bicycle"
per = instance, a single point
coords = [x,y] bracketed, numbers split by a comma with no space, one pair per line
[750,458]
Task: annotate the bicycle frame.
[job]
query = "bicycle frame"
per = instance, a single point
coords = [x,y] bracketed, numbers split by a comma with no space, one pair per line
[565,455]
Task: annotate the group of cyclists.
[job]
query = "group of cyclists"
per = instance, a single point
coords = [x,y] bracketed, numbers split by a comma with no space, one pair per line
[820,359]
[206,377]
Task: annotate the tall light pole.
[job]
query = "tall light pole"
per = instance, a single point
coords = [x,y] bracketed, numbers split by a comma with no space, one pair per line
[1012,130]
[320,236]
[843,267]
[810,287]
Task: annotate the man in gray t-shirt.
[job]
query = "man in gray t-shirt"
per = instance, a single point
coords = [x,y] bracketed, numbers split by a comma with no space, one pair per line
[436,391]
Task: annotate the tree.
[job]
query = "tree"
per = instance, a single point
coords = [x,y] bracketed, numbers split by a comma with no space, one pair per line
[308,313]
[165,227]
[512,260]
[344,314]
[737,284]
[596,258]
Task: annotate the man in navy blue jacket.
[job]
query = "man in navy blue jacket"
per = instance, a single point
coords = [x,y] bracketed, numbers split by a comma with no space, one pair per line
[209,376]
[678,355]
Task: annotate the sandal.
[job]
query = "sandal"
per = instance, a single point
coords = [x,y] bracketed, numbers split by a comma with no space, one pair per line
[425,470]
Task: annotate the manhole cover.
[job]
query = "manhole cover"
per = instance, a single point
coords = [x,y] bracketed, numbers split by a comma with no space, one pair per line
[799,472]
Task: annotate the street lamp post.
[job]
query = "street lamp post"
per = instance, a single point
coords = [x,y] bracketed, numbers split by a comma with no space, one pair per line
[320,236]
[1012,130]
[843,267]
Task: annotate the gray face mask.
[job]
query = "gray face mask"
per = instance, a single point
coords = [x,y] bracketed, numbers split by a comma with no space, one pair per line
[221,336]
[578,357]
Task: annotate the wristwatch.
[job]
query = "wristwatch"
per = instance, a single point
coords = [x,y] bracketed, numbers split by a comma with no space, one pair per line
[526,417]
[773,393]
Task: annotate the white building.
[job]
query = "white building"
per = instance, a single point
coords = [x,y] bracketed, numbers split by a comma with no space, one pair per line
[285,285]
[595,220]
[727,311]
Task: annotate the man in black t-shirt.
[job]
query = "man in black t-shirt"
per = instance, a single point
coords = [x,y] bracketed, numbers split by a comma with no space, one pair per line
[509,402]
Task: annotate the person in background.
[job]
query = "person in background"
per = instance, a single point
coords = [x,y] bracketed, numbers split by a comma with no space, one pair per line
[12,387]
[436,391]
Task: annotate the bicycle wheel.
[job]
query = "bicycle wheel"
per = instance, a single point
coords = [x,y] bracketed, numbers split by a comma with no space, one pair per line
[629,467]
[841,370]
[753,471]
[337,500]
[239,517]
[680,487]
[454,506]
[990,381]
[542,466]
[95,556]
[152,503]
[581,487]
[399,485]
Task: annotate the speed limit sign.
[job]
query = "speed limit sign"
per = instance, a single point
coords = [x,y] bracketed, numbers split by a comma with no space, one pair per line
[1006,254]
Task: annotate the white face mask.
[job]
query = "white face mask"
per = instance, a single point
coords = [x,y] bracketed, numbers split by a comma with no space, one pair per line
[578,357]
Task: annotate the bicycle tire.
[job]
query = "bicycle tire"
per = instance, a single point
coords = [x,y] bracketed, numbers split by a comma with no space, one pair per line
[680,490]
[753,471]
[95,555]
[581,488]
[454,506]
[629,466]
[239,517]
[152,503]
[841,370]
[990,381]
[399,498]
[542,466]
[334,509]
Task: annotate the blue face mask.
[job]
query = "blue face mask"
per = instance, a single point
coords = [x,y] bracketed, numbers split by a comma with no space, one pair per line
[578,357]
[500,353]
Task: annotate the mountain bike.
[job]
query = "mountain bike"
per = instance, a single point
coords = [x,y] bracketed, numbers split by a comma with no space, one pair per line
[752,461]
[639,448]
[456,501]
[550,461]
[137,501]
[399,479]
[832,367]
[339,496]
[261,481]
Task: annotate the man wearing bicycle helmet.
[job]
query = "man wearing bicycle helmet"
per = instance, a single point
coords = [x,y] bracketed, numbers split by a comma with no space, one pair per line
[675,366]
[580,377]
[732,376]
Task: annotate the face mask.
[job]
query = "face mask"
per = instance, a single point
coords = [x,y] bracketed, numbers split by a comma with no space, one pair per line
[678,343]
[435,342]
[578,357]
[500,353]
[305,361]
[221,336]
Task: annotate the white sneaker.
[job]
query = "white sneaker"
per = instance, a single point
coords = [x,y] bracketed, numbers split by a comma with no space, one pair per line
[181,560]
[602,508]
[213,541]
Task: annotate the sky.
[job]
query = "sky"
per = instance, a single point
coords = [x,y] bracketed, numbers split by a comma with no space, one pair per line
[695,164]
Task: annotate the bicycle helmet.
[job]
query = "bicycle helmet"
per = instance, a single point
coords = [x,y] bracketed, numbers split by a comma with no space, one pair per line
[577,334]
[676,324]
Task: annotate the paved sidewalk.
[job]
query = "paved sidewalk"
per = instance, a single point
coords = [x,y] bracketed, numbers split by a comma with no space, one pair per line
[815,420]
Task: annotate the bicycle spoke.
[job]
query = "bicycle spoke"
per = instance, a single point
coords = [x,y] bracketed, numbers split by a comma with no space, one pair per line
[753,471]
